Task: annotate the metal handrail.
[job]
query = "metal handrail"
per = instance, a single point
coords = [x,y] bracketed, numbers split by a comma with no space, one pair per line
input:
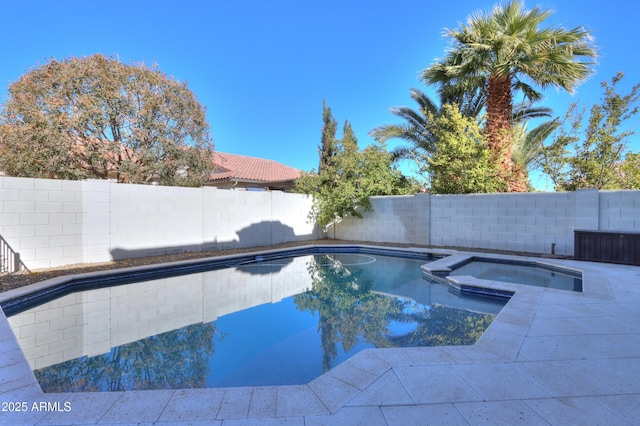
[9,259]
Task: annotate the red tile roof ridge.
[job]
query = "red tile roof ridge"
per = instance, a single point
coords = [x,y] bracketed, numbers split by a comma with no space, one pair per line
[249,168]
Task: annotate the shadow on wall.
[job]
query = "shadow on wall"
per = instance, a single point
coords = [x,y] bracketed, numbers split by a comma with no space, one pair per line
[257,234]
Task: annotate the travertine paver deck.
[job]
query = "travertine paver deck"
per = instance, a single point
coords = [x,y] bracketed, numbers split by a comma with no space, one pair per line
[550,357]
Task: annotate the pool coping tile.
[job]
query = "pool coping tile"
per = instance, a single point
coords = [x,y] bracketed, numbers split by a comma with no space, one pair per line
[137,406]
[436,384]
[87,407]
[511,412]
[349,373]
[235,403]
[352,416]
[193,405]
[423,414]
[387,390]
[333,392]
[299,400]
[578,411]
[264,402]
[500,381]
[625,406]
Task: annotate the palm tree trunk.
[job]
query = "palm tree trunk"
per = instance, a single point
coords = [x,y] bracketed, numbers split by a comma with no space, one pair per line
[499,132]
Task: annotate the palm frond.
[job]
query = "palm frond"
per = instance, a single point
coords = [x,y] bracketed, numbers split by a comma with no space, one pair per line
[526,111]
[529,145]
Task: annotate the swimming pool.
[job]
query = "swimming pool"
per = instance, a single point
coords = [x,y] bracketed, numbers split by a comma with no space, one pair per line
[528,273]
[262,320]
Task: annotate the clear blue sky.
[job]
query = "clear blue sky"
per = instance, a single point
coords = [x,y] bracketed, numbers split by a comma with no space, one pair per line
[262,68]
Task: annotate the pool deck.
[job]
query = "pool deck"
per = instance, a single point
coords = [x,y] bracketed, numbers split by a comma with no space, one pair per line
[550,357]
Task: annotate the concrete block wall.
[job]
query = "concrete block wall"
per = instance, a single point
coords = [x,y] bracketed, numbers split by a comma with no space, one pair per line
[95,218]
[587,209]
[46,220]
[527,222]
[396,219]
[55,222]
[250,219]
[295,207]
[151,220]
[619,211]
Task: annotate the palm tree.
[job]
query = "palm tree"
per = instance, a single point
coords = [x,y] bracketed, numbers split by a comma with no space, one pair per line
[501,51]
[528,147]
[416,131]
[528,144]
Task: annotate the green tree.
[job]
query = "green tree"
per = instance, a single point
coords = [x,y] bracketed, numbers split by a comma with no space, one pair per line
[417,130]
[327,148]
[461,161]
[595,157]
[528,145]
[349,177]
[349,140]
[95,117]
[501,51]
[630,171]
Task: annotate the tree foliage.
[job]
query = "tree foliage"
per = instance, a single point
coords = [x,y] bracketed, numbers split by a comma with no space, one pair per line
[596,156]
[630,171]
[177,359]
[503,51]
[417,130]
[461,163]
[95,117]
[328,141]
[348,177]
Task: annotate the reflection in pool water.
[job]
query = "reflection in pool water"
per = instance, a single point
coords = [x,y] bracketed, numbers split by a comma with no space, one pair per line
[271,323]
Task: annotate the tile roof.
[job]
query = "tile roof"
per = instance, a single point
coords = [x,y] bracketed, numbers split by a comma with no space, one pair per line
[233,166]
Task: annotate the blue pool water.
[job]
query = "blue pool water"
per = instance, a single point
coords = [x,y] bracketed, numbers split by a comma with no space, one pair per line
[529,274]
[277,322]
